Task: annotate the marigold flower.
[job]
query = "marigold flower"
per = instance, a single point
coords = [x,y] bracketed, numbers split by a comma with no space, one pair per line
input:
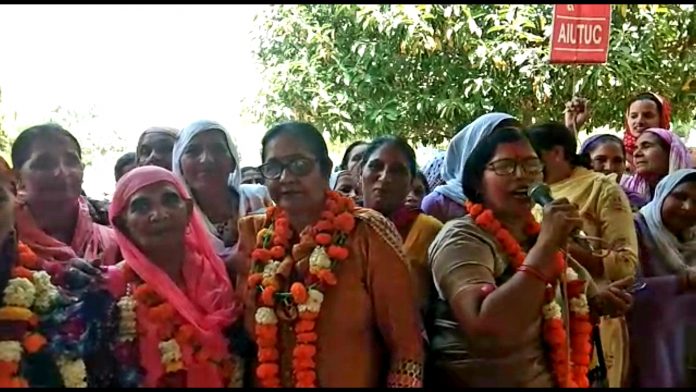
[268,296]
[299,293]
[34,343]
[307,337]
[260,254]
[345,222]
[323,239]
[8,369]
[268,354]
[267,370]
[277,252]
[327,277]
[304,326]
[254,279]
[338,253]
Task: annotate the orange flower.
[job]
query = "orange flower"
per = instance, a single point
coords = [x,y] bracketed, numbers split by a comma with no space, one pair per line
[345,222]
[14,382]
[34,342]
[337,252]
[267,334]
[27,257]
[277,252]
[306,377]
[304,351]
[8,369]
[146,295]
[323,239]
[21,272]
[268,355]
[309,337]
[304,326]
[327,277]
[324,225]
[308,315]
[254,279]
[185,333]
[260,254]
[268,296]
[162,312]
[332,205]
[328,215]
[303,363]
[266,370]
[299,293]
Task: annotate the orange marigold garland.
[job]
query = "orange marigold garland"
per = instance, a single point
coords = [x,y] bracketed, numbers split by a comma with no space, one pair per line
[570,362]
[329,236]
[27,293]
[176,335]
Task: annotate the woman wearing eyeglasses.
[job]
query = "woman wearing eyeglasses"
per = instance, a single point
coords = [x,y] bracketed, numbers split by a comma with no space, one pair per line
[500,319]
[606,213]
[329,301]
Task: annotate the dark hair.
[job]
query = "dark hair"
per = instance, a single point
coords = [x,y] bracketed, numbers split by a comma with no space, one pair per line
[21,148]
[424,180]
[398,142]
[125,160]
[346,155]
[308,134]
[546,136]
[246,169]
[646,97]
[482,154]
[601,140]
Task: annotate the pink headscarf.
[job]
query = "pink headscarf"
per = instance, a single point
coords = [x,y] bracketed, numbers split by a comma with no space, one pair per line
[679,158]
[207,302]
[90,241]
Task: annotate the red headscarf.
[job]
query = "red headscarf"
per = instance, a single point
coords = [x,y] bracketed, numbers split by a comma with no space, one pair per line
[207,301]
[630,140]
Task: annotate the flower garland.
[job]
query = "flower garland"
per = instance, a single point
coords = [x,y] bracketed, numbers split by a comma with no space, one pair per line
[328,236]
[177,338]
[570,362]
[28,294]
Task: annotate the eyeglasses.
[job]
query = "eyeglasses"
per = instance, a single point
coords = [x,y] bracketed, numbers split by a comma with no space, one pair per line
[507,167]
[300,167]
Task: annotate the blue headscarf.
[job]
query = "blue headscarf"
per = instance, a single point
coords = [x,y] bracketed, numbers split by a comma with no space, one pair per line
[459,151]
[672,251]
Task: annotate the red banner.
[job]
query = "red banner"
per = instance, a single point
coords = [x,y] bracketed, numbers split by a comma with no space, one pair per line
[580,33]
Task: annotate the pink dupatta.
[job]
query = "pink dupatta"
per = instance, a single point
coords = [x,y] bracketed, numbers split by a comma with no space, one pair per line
[207,302]
[90,241]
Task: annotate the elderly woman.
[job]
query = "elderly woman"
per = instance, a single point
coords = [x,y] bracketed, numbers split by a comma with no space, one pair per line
[665,309]
[446,202]
[329,283]
[606,213]
[155,147]
[644,111]
[658,153]
[53,217]
[175,303]
[207,161]
[500,319]
[389,171]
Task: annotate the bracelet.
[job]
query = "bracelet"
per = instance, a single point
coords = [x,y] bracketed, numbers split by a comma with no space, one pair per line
[533,272]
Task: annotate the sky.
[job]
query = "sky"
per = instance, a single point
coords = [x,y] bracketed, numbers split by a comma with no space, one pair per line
[132,66]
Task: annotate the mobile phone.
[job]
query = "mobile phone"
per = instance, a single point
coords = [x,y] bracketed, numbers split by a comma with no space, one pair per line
[637,286]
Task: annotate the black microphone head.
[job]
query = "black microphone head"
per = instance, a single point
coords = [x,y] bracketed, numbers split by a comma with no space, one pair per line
[540,193]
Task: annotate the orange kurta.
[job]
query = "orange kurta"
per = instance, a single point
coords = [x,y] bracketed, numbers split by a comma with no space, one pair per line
[369,328]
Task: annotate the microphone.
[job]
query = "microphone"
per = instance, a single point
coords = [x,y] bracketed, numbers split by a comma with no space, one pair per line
[540,193]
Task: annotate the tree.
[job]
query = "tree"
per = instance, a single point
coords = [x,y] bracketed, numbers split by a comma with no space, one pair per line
[421,70]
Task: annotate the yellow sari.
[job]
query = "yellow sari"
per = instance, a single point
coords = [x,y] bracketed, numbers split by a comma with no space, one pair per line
[422,233]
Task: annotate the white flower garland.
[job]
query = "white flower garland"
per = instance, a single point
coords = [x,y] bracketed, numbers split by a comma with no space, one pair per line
[19,292]
[73,371]
[127,320]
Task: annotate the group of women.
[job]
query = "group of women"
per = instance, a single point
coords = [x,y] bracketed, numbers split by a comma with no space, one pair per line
[198,280]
